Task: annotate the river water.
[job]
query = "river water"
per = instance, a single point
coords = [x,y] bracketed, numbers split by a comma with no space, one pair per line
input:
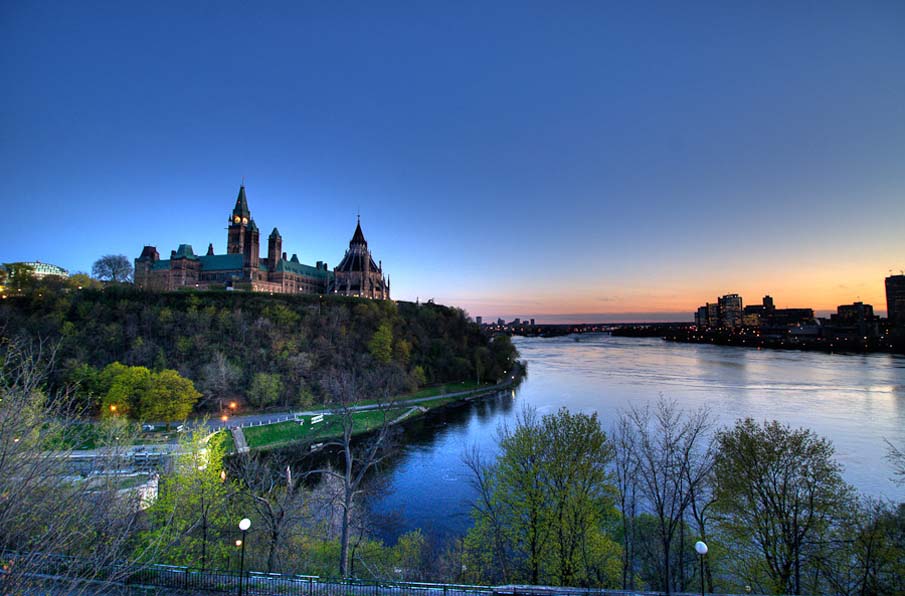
[856,401]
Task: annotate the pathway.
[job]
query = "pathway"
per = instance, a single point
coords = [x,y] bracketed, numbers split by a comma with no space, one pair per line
[239,439]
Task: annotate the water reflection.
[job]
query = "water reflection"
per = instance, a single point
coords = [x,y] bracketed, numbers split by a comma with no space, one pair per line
[854,400]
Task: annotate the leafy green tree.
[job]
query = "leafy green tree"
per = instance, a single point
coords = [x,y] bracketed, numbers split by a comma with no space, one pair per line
[381,344]
[191,523]
[872,560]
[779,489]
[126,386]
[546,505]
[19,276]
[265,389]
[82,281]
[169,398]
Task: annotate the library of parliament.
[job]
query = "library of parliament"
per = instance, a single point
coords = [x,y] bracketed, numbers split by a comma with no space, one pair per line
[242,267]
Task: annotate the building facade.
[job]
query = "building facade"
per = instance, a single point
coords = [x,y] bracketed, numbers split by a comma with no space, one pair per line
[357,274]
[242,267]
[895,300]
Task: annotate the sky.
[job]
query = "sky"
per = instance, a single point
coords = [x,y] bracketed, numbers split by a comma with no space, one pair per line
[556,160]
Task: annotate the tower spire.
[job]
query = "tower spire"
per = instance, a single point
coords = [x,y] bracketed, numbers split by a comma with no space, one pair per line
[241,208]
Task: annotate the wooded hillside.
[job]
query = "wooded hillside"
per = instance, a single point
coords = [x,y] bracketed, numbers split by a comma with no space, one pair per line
[273,350]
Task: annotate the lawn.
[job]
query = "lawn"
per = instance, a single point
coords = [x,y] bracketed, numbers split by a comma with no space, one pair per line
[270,435]
[441,389]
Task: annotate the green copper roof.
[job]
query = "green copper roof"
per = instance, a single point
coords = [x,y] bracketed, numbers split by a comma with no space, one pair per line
[221,262]
[185,252]
[275,233]
[208,262]
[241,208]
[252,225]
[300,269]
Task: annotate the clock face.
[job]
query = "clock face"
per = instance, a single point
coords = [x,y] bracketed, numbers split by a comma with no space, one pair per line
[237,219]
[245,220]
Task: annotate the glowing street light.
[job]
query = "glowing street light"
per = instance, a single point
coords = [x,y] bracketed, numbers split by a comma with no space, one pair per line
[243,525]
[701,548]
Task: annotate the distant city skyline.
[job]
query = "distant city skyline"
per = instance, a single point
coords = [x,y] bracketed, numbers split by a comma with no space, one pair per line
[580,161]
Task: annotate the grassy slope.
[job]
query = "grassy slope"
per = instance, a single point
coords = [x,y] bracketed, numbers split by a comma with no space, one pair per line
[271,435]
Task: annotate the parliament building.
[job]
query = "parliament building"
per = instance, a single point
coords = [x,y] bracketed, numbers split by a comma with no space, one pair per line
[242,267]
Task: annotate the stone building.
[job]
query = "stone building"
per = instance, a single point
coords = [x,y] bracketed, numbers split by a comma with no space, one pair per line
[242,268]
[357,274]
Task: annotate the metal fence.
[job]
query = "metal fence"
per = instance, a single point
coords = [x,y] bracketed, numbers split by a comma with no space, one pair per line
[186,579]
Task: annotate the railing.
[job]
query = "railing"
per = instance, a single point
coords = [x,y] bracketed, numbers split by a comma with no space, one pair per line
[256,583]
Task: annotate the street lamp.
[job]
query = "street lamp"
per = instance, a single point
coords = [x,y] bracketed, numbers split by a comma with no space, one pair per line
[243,525]
[701,548]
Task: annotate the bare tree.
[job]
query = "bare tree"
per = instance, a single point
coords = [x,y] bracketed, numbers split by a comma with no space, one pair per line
[481,479]
[896,457]
[115,268]
[347,388]
[279,501]
[219,377]
[626,474]
[46,507]
[674,457]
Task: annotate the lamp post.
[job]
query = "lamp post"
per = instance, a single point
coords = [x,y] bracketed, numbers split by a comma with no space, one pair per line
[701,549]
[243,525]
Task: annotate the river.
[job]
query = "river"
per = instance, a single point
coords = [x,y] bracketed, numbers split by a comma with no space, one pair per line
[856,401]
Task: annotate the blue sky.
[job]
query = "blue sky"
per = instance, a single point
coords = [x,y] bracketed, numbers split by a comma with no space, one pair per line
[516,159]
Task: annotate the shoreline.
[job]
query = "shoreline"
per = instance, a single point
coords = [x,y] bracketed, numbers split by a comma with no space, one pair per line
[414,409]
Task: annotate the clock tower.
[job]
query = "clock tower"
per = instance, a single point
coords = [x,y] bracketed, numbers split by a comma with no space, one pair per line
[238,225]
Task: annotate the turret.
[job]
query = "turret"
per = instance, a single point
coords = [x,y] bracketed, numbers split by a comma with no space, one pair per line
[252,245]
[274,248]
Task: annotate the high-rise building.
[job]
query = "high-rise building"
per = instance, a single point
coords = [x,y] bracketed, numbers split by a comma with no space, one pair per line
[713,315]
[895,300]
[854,320]
[700,317]
[479,320]
[730,308]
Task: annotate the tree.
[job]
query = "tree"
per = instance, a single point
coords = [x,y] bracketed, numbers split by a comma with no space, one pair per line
[219,376]
[865,550]
[140,394]
[278,500]
[625,470]
[45,509]
[545,504]
[113,268]
[190,523]
[780,489]
[18,276]
[896,457]
[265,389]
[169,398]
[125,389]
[347,387]
[673,457]
[81,281]
[381,344]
